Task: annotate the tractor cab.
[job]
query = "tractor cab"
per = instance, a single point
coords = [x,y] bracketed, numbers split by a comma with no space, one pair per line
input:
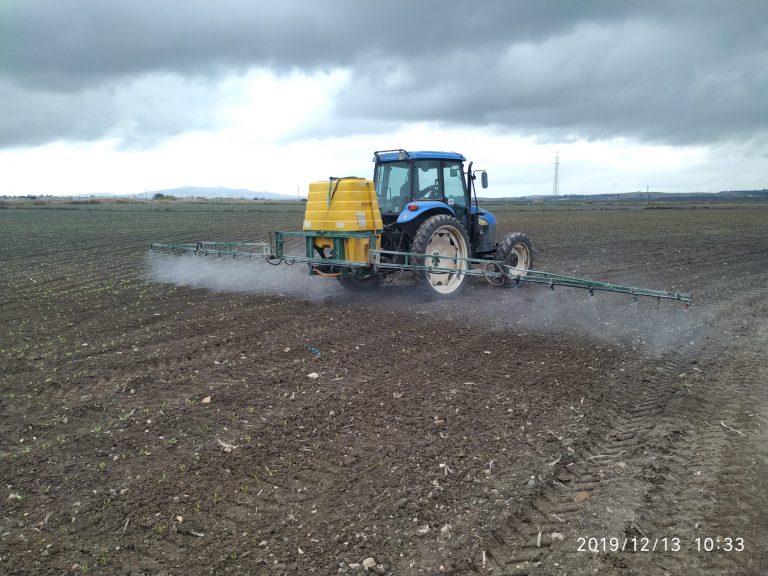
[401,177]
[413,186]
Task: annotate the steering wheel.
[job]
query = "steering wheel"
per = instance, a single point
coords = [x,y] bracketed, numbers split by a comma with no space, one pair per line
[431,192]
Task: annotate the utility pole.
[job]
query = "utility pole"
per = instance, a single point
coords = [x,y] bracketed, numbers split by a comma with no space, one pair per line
[556,184]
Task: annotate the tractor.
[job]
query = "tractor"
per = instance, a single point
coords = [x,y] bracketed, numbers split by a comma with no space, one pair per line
[419,215]
[428,205]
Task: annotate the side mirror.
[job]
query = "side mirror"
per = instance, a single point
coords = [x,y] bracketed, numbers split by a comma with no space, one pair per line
[484,179]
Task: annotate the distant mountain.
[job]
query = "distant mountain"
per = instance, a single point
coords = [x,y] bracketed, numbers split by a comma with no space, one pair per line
[217,192]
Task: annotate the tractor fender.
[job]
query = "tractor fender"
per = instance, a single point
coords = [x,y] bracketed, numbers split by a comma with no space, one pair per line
[410,220]
[486,215]
[486,220]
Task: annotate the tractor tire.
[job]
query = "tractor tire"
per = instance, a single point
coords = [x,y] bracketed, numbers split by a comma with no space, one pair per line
[516,251]
[441,235]
[364,284]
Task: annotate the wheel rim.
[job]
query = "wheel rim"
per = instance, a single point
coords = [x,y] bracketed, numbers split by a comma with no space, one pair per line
[520,257]
[446,241]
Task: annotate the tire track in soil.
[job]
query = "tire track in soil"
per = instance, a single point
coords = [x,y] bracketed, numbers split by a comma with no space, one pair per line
[524,539]
[675,459]
[710,483]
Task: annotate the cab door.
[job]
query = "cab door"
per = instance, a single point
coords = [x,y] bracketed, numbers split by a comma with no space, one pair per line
[455,191]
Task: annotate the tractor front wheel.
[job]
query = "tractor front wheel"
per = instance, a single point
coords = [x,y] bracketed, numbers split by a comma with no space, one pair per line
[516,251]
[443,239]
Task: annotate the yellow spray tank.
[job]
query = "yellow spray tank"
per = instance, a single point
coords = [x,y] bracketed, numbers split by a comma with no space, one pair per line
[343,221]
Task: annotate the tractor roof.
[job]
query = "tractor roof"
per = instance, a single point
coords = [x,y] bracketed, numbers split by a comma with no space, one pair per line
[394,155]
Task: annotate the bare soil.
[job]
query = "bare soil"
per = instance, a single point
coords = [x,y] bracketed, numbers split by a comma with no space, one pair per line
[150,427]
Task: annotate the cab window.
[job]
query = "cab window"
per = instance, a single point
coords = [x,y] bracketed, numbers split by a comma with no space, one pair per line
[427,173]
[454,183]
[393,186]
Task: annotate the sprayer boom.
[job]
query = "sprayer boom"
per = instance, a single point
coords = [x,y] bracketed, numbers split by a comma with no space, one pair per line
[205,248]
[387,262]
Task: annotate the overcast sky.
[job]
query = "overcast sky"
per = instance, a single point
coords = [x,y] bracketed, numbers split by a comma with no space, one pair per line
[100,96]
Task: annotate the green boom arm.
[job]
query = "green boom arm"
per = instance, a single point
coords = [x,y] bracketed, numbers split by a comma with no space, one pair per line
[493,271]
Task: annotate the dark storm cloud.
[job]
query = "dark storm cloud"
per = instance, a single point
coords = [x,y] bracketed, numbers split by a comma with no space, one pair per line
[673,72]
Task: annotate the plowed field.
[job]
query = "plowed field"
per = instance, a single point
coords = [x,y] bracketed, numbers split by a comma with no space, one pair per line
[166,416]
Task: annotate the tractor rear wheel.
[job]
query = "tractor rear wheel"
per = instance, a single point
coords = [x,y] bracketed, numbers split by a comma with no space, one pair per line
[439,237]
[516,251]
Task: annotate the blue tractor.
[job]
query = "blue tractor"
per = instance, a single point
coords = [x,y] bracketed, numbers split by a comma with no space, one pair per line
[428,205]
